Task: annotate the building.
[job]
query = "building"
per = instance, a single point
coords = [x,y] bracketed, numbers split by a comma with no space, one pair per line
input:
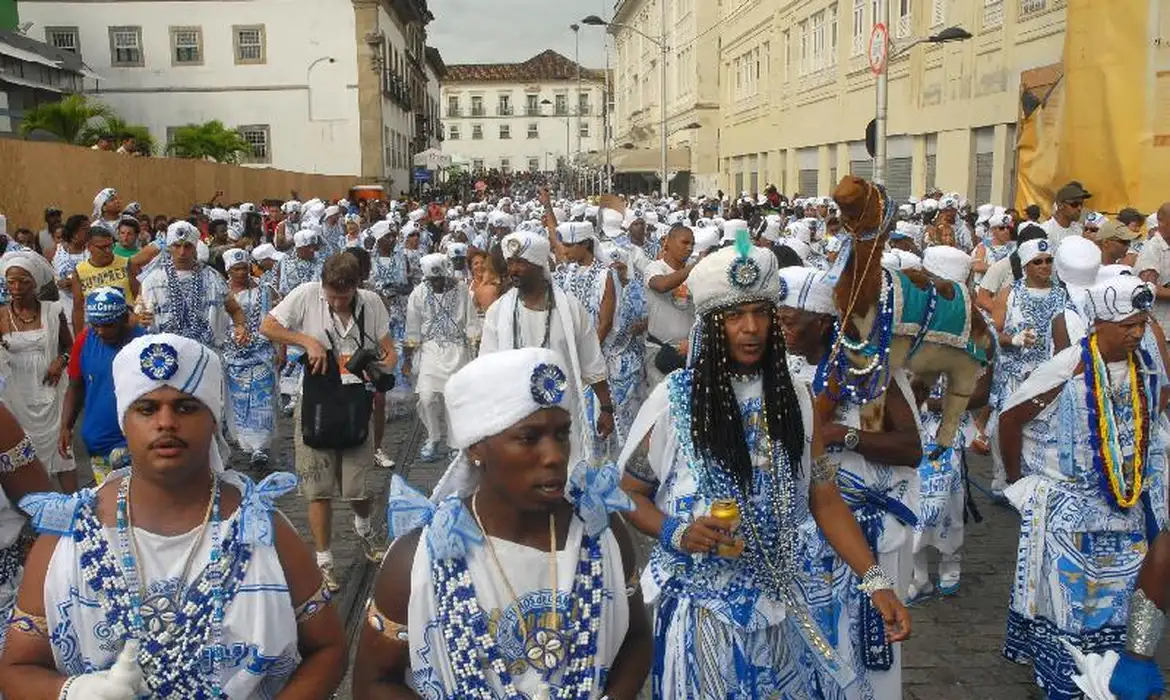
[794,91]
[31,73]
[533,116]
[328,86]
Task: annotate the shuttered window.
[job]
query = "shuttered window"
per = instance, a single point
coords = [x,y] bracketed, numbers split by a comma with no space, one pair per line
[898,174]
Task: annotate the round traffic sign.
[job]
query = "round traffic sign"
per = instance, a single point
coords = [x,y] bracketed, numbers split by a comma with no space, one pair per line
[879,46]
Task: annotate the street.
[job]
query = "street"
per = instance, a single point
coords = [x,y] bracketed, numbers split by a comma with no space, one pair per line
[953,655]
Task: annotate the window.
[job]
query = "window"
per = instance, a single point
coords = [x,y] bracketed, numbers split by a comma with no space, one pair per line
[992,13]
[505,165]
[258,137]
[904,20]
[938,13]
[249,44]
[64,38]
[533,164]
[532,105]
[477,164]
[505,132]
[533,130]
[561,102]
[453,106]
[477,105]
[787,39]
[186,46]
[389,147]
[804,48]
[504,109]
[477,132]
[818,41]
[832,35]
[126,46]
[583,130]
[583,103]
[858,27]
[1028,7]
[453,133]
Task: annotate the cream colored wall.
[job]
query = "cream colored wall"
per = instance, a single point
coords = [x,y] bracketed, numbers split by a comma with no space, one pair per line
[948,91]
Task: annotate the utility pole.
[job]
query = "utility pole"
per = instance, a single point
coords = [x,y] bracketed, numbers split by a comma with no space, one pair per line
[883,99]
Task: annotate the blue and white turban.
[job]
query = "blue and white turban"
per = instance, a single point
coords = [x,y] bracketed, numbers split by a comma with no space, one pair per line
[182,232]
[105,305]
[151,362]
[100,201]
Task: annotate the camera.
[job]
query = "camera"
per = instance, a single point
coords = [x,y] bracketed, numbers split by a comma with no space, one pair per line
[365,362]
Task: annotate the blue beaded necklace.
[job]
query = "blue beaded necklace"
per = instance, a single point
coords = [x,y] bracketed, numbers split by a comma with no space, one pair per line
[188,305]
[860,384]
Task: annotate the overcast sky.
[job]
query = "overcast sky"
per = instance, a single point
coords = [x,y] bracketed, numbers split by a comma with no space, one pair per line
[511,31]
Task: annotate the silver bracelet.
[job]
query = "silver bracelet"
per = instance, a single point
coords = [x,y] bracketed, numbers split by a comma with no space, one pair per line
[875,580]
[824,469]
[1145,625]
[17,456]
[676,537]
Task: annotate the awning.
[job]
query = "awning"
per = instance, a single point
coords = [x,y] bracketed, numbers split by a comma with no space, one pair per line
[24,82]
[650,160]
[31,57]
[591,160]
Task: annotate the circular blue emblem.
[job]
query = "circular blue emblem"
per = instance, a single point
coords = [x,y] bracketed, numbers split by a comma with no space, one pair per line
[1143,298]
[744,273]
[783,289]
[548,384]
[159,361]
[1043,245]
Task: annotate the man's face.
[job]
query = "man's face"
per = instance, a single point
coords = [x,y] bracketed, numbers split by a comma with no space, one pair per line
[111,333]
[804,331]
[680,244]
[746,327]
[184,254]
[101,250]
[340,300]
[112,208]
[307,252]
[1122,336]
[412,241]
[1072,210]
[525,276]
[1114,249]
[127,236]
[239,273]
[53,219]
[169,431]
[638,232]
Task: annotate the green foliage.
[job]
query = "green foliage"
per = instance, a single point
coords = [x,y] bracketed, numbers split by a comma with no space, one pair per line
[211,140]
[118,129]
[66,119]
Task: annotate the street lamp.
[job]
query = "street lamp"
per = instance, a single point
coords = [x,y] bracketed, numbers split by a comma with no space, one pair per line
[595,21]
[947,35]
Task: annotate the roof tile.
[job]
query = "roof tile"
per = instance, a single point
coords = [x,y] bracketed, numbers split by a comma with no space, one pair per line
[545,66]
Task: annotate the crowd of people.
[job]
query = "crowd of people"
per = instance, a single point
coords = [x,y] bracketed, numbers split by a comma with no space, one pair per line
[584,367]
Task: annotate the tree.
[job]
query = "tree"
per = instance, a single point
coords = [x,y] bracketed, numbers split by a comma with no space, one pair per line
[211,140]
[118,129]
[66,119]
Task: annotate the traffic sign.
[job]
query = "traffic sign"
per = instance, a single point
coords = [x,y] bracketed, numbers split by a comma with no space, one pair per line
[422,175]
[871,138]
[879,47]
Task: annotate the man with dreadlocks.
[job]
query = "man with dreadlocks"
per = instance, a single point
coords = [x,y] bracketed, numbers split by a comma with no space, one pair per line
[723,467]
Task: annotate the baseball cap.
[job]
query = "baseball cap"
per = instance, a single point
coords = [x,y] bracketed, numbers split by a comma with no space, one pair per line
[1072,192]
[1113,231]
[1129,215]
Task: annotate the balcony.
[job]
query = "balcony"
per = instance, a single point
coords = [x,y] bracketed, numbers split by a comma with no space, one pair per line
[478,111]
[583,110]
[454,112]
[504,111]
[532,111]
[562,110]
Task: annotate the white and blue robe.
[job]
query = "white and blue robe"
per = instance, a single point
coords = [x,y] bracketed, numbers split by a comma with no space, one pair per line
[250,373]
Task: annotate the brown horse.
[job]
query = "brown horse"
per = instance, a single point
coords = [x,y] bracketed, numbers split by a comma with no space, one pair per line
[864,215]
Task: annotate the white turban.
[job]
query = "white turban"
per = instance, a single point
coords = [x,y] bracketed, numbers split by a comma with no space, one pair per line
[532,247]
[306,237]
[151,362]
[233,257]
[435,265]
[182,232]
[32,263]
[805,288]
[999,221]
[773,228]
[332,210]
[491,394]
[102,199]
[1030,250]
[219,214]
[901,260]
[802,249]
[575,232]
[291,207]
[265,251]
[1119,298]
[417,215]
[947,262]
[799,230]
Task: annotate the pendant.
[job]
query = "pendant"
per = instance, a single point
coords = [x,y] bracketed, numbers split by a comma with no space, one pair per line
[543,692]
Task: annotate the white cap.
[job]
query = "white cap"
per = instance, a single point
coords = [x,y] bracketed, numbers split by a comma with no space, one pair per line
[947,262]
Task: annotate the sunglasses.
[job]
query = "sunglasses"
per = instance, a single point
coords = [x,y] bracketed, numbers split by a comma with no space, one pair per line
[1041,261]
[1075,205]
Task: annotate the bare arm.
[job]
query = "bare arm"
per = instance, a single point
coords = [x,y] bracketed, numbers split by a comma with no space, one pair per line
[898,443]
[1151,276]
[382,661]
[605,314]
[78,302]
[632,663]
[27,669]
[1011,430]
[668,282]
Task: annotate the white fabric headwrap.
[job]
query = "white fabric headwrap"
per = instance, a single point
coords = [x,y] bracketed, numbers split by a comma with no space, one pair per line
[805,288]
[101,199]
[1119,298]
[491,394]
[233,257]
[1030,250]
[528,246]
[264,251]
[150,362]
[947,262]
[305,237]
[32,263]
[435,265]
[182,232]
[802,249]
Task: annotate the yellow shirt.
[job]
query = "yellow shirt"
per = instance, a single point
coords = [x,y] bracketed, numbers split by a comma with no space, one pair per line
[116,274]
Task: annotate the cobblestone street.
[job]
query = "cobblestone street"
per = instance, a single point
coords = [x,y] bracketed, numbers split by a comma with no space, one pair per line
[953,655]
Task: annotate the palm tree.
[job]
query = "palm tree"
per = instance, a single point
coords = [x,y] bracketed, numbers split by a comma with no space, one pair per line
[118,128]
[66,119]
[210,140]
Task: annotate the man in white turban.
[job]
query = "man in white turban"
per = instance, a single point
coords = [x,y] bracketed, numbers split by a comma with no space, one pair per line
[1091,492]
[107,210]
[248,580]
[537,313]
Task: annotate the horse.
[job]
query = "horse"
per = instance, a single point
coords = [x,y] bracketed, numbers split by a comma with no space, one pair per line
[892,320]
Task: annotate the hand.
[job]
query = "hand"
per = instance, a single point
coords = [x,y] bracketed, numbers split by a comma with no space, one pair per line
[315,352]
[621,268]
[704,534]
[54,372]
[895,615]
[65,442]
[241,334]
[1025,338]
[545,198]
[833,433]
[146,318]
[604,424]
[122,682]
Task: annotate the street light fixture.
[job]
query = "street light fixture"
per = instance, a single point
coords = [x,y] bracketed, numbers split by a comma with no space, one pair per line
[660,42]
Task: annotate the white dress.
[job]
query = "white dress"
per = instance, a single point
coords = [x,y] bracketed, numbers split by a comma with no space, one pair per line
[437,324]
[36,405]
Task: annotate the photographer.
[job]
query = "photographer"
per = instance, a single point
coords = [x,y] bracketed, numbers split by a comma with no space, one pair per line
[343,330]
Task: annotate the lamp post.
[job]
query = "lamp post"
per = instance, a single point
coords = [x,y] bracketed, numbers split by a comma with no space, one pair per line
[947,35]
[595,21]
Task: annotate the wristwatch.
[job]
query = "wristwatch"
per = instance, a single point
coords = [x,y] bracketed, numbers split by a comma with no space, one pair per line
[852,438]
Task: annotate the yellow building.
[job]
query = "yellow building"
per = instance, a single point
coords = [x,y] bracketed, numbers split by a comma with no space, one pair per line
[794,92]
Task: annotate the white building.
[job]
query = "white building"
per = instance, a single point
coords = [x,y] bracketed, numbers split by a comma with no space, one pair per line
[327,86]
[523,116]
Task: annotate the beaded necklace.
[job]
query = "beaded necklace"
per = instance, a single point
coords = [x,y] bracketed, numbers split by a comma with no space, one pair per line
[440,325]
[255,310]
[1104,429]
[188,305]
[517,339]
[860,384]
